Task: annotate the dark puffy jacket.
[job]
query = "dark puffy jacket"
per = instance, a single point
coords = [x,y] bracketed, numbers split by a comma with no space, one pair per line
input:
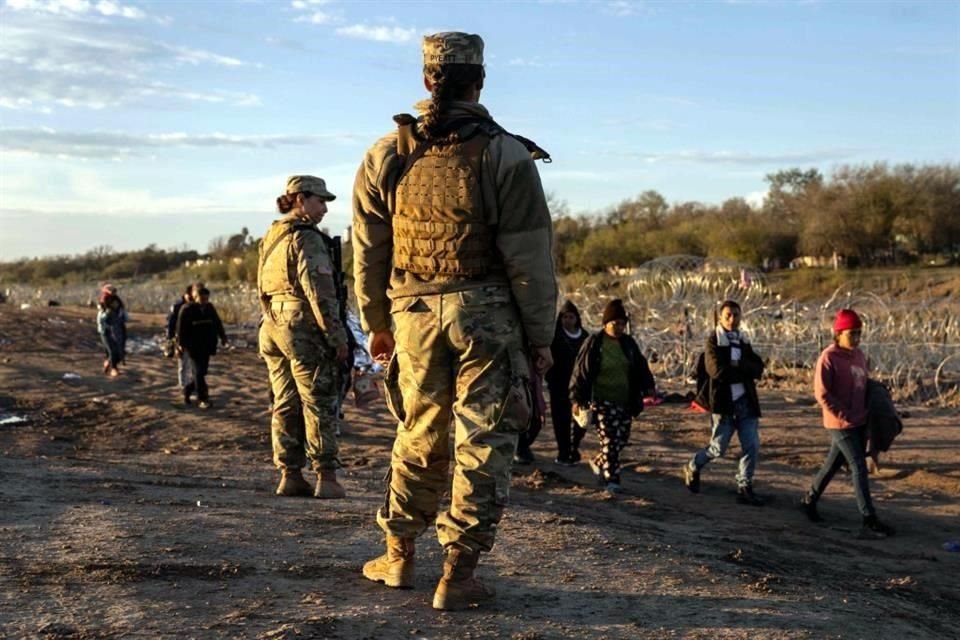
[198,328]
[883,421]
[715,394]
[588,364]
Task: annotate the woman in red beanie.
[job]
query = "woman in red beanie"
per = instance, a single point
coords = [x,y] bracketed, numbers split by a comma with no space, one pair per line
[840,387]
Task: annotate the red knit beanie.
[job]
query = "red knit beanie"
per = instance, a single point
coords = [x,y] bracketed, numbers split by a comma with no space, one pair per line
[846,319]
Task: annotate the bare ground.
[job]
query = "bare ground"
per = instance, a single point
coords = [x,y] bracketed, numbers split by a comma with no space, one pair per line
[122,515]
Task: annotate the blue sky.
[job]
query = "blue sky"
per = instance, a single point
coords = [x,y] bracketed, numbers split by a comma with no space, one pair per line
[126,122]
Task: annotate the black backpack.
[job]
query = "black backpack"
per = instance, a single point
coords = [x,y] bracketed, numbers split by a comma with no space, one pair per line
[703,383]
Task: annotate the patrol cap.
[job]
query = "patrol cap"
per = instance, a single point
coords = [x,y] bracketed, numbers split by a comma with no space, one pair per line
[452,47]
[313,184]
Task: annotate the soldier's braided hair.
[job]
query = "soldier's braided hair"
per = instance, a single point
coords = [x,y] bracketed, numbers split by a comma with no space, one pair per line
[288,201]
[450,82]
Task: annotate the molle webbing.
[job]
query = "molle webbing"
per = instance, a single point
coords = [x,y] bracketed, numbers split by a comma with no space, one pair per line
[439,226]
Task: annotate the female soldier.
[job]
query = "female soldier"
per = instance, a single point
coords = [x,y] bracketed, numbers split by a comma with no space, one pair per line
[302,338]
[840,387]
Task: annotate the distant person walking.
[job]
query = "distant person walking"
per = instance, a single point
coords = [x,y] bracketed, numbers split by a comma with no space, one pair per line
[302,339]
[840,387]
[184,369]
[567,340]
[198,327]
[730,393]
[112,327]
[610,378]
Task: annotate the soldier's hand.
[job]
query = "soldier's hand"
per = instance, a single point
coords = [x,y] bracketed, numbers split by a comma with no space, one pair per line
[542,359]
[342,353]
[381,346]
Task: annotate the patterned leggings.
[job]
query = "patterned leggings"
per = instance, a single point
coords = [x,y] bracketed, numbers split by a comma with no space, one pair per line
[613,430]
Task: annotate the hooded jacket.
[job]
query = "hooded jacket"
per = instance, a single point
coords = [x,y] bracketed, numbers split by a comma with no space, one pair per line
[564,350]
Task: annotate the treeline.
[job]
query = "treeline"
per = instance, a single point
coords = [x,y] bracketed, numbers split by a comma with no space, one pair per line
[101,263]
[866,215]
[229,258]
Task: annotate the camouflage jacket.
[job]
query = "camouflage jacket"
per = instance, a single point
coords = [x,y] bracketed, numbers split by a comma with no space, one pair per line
[515,207]
[299,267]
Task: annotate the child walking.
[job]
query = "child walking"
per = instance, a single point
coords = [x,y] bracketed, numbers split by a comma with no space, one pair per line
[840,387]
[567,340]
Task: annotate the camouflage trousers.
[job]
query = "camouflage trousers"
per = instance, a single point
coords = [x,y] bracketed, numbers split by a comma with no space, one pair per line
[460,366]
[303,378]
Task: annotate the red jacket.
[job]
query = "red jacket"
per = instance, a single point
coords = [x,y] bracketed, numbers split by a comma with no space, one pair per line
[840,386]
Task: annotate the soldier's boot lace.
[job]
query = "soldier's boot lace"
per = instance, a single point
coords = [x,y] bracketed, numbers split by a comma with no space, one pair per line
[395,568]
[292,484]
[458,588]
[328,487]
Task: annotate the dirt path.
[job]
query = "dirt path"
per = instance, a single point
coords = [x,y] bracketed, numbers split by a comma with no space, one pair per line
[124,516]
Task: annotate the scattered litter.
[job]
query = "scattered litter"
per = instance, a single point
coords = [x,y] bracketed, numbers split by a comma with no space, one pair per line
[24,305]
[952,545]
[9,418]
[71,376]
[99,400]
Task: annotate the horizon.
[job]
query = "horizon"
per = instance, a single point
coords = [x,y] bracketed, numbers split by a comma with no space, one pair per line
[135,123]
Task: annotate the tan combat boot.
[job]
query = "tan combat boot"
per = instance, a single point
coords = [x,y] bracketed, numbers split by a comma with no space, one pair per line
[328,487]
[395,568]
[292,484]
[458,589]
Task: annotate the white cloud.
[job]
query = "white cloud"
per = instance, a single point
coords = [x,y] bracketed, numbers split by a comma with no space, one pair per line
[619,8]
[101,145]
[198,56]
[744,159]
[77,7]
[318,17]
[526,62]
[48,63]
[756,199]
[380,33]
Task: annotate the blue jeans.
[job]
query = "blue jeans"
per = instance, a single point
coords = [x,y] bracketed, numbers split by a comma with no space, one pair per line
[747,427]
[846,444]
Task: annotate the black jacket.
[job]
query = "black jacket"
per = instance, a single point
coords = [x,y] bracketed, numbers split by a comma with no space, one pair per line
[198,328]
[587,367]
[715,394]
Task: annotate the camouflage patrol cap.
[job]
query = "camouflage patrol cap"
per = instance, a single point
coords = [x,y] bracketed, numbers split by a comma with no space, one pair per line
[316,186]
[452,47]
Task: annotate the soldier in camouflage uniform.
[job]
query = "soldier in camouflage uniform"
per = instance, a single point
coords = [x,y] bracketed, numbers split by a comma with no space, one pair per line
[454,277]
[302,339]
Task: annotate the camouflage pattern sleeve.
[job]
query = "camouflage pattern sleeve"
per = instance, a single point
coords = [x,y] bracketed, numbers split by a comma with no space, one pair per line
[525,238]
[315,275]
[373,233]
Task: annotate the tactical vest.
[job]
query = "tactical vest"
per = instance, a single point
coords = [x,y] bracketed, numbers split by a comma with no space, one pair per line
[276,273]
[439,226]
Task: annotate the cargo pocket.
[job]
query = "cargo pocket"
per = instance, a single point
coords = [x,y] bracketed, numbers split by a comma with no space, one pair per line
[514,416]
[391,389]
